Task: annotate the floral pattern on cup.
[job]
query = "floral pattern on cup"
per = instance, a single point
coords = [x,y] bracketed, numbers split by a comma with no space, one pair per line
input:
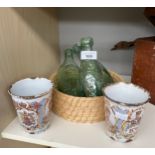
[33,116]
[122,123]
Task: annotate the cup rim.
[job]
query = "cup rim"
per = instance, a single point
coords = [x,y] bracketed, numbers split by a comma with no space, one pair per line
[31,96]
[124,103]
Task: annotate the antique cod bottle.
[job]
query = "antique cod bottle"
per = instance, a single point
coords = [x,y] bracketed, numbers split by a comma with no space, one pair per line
[94,75]
[68,77]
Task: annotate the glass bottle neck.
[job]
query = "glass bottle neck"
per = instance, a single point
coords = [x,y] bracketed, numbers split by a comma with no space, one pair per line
[87,48]
[69,60]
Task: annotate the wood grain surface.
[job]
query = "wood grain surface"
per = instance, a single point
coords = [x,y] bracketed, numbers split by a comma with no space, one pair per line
[28,47]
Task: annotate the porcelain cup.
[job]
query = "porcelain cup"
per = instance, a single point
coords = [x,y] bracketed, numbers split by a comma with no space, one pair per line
[124,108]
[32,100]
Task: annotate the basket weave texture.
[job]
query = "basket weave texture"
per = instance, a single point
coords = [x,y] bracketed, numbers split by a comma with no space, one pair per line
[80,109]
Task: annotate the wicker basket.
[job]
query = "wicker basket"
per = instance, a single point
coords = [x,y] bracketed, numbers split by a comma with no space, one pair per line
[80,109]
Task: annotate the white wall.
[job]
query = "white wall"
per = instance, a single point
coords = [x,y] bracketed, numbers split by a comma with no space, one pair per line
[107,26]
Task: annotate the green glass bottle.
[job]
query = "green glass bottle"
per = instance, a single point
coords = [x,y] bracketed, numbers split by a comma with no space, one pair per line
[107,78]
[68,77]
[93,74]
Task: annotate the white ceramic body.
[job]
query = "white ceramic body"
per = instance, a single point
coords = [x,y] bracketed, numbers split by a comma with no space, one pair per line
[33,111]
[122,119]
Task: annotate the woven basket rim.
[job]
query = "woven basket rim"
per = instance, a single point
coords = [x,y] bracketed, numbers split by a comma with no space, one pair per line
[78,97]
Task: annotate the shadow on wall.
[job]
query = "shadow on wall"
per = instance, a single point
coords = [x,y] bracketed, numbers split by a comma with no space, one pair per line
[102,14]
[39,25]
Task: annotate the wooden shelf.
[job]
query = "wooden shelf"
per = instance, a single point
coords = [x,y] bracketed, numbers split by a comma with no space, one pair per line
[64,133]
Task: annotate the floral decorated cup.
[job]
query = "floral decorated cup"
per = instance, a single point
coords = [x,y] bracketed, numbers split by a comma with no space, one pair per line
[124,107]
[32,100]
